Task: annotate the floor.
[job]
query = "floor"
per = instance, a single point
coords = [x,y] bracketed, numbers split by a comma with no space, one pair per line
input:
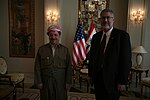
[133,90]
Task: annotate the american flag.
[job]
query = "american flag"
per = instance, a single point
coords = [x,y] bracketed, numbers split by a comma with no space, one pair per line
[79,46]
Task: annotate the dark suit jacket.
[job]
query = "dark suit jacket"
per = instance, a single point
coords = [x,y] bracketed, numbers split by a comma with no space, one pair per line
[117,59]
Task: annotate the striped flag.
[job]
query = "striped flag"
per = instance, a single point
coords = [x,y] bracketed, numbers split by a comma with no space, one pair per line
[89,36]
[79,46]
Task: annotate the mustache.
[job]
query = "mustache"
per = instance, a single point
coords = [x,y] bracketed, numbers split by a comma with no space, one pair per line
[105,23]
[52,39]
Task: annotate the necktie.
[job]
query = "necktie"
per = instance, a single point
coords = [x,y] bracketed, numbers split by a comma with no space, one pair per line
[102,45]
[101,51]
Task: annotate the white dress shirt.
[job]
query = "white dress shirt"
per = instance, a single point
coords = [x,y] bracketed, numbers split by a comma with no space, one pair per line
[107,37]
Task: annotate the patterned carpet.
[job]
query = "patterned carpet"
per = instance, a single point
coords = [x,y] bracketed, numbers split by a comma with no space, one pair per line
[29,94]
[34,94]
[75,93]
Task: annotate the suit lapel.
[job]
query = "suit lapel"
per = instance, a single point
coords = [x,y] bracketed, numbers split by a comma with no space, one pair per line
[99,36]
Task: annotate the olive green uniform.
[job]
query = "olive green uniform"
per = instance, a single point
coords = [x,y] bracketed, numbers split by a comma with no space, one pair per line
[53,71]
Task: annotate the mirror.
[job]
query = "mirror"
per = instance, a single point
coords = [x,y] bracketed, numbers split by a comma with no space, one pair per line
[90,10]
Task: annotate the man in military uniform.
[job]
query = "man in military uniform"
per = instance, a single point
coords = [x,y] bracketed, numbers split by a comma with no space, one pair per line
[53,71]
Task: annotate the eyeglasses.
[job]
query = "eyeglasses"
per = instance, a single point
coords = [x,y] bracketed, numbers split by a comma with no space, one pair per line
[106,17]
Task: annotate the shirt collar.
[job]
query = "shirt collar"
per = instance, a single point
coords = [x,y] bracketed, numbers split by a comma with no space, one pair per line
[108,32]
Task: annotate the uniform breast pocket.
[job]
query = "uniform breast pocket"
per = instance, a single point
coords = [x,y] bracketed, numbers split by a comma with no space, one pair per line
[46,61]
[62,62]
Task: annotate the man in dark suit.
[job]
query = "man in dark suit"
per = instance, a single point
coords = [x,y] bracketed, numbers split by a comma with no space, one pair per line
[109,67]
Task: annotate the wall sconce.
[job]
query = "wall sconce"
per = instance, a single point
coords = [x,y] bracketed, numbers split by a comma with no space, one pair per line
[137,16]
[52,17]
[139,50]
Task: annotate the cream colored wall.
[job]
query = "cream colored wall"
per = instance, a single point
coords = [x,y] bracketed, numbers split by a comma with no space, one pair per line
[120,8]
[4,28]
[68,19]
[139,33]
[135,29]
[49,5]
[146,60]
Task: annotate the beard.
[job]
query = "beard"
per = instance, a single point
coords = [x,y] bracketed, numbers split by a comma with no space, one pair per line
[106,26]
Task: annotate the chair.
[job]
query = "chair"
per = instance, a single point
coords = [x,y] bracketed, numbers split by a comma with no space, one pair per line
[76,69]
[16,78]
[84,77]
[144,82]
[7,88]
[80,73]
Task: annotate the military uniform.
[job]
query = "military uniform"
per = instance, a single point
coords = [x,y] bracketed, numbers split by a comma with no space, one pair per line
[53,71]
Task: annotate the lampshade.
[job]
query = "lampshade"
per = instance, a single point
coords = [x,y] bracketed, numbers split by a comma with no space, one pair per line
[139,49]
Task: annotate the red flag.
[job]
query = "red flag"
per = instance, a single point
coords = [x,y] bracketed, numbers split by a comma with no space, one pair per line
[89,36]
[79,46]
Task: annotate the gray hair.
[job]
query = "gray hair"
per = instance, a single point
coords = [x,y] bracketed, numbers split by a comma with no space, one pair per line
[106,10]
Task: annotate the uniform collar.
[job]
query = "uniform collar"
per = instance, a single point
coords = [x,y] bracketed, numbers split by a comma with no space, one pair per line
[57,45]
